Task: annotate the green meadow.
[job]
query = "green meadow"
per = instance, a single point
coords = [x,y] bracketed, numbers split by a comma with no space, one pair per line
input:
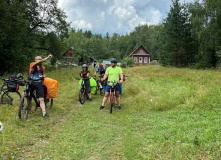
[167,113]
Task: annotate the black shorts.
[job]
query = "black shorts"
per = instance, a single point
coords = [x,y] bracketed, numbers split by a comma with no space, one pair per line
[38,87]
[88,86]
[116,87]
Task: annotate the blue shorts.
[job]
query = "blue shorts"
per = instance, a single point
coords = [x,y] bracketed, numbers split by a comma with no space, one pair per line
[116,87]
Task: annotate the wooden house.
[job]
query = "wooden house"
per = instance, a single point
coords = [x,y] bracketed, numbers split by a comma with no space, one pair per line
[68,56]
[141,56]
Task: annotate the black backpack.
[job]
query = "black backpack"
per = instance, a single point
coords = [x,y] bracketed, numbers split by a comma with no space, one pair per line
[13,83]
[36,74]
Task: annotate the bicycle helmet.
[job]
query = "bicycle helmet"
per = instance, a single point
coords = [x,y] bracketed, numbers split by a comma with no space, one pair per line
[113,60]
[84,66]
[1,127]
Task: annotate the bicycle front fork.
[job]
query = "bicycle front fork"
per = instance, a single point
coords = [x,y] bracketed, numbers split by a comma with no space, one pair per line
[113,97]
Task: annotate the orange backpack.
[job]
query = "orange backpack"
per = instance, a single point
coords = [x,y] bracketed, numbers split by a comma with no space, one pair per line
[52,87]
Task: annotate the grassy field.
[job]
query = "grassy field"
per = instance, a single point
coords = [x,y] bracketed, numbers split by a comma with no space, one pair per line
[167,113]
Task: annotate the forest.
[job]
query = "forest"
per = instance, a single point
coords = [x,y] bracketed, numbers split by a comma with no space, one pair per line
[190,36]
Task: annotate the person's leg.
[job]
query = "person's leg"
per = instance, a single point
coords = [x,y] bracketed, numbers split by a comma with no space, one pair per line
[120,91]
[118,98]
[117,89]
[88,89]
[40,95]
[105,97]
[42,105]
[104,89]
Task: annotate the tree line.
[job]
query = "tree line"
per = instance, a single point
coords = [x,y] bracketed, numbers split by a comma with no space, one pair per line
[190,36]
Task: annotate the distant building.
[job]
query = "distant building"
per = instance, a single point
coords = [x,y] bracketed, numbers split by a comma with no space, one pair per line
[107,63]
[141,56]
[68,56]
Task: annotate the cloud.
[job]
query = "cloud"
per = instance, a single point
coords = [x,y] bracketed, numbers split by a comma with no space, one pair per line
[119,16]
[81,24]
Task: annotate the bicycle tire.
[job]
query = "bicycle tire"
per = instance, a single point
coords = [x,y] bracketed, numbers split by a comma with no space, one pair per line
[82,96]
[112,103]
[8,99]
[24,106]
[51,104]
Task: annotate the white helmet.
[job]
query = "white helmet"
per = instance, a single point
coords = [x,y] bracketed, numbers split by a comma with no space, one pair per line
[1,127]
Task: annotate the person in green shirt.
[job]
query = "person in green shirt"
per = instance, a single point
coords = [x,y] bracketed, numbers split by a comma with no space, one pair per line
[113,74]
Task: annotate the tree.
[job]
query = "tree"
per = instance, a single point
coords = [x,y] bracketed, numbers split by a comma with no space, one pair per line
[25,27]
[177,43]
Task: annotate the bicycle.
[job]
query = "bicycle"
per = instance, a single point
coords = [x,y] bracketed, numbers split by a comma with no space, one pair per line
[112,94]
[25,100]
[83,91]
[99,86]
[13,89]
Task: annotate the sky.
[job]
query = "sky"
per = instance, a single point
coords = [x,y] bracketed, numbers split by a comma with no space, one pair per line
[114,16]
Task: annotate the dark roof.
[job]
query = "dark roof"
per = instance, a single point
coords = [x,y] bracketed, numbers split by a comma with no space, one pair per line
[147,53]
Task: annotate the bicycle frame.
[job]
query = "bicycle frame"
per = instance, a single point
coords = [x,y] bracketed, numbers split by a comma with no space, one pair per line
[84,88]
[112,92]
[29,94]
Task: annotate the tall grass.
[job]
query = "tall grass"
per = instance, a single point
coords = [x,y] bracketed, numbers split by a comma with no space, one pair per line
[167,113]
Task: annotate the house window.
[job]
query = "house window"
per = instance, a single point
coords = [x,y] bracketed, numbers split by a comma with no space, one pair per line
[140,59]
[145,59]
[135,59]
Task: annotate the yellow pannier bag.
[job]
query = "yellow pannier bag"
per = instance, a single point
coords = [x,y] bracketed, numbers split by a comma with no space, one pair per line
[52,87]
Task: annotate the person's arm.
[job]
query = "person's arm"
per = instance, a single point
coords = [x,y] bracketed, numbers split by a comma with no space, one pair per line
[97,71]
[121,77]
[41,61]
[105,76]
[81,75]
[88,74]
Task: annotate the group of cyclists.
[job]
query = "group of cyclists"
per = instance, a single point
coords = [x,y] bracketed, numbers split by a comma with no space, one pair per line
[113,73]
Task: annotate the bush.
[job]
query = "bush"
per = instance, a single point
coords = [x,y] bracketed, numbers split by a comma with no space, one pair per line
[154,62]
[127,62]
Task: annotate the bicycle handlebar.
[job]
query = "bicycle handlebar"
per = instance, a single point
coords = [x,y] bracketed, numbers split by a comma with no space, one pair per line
[113,82]
[82,78]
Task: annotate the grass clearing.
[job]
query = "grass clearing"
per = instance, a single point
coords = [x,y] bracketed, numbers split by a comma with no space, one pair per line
[167,113]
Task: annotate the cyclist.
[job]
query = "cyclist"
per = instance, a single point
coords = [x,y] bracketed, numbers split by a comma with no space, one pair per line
[37,74]
[102,71]
[85,74]
[113,74]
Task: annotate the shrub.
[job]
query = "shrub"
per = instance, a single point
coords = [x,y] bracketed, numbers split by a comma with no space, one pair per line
[127,62]
[154,62]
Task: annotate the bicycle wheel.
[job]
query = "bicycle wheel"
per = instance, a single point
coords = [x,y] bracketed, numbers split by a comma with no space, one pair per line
[23,107]
[82,96]
[51,104]
[9,97]
[112,102]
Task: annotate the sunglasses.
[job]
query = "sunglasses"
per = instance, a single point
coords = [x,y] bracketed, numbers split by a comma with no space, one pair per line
[38,59]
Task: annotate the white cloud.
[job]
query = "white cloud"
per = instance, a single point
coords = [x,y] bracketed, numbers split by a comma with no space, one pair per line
[81,24]
[155,17]
[120,16]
